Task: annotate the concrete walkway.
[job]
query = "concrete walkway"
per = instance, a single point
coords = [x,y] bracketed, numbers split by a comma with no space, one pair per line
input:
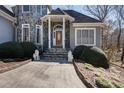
[41,75]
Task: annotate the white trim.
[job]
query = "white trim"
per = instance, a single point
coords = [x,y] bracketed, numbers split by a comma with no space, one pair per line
[25,11]
[63,34]
[55,16]
[49,32]
[28,32]
[42,35]
[54,34]
[38,27]
[56,26]
[89,24]
[94,29]
[7,16]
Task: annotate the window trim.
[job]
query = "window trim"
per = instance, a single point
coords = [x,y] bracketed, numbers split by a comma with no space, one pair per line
[38,26]
[94,30]
[22,39]
[25,11]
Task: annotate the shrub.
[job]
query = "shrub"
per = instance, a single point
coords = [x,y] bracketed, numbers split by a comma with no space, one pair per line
[102,83]
[92,55]
[78,51]
[11,50]
[28,49]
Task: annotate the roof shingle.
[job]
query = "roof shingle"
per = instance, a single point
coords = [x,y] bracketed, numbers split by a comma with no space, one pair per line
[6,10]
[81,18]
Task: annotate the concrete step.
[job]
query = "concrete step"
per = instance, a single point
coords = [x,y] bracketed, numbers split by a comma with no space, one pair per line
[56,50]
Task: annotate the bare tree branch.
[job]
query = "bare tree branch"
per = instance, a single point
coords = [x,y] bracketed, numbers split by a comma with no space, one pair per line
[100,12]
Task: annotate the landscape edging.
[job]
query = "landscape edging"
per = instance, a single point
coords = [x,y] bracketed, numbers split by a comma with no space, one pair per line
[82,77]
[14,66]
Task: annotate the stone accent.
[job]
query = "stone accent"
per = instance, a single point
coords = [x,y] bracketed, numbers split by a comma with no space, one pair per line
[32,18]
[67,35]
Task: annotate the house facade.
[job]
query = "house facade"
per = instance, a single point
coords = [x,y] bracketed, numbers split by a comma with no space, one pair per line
[56,28]
[7,21]
[68,28]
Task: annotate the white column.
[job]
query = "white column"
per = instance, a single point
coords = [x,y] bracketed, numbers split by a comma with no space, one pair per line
[63,34]
[41,35]
[49,32]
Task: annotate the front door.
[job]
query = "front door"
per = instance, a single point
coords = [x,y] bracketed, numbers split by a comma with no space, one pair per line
[58,38]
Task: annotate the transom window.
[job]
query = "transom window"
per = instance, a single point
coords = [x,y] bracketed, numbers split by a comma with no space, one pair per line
[85,36]
[25,32]
[38,34]
[25,8]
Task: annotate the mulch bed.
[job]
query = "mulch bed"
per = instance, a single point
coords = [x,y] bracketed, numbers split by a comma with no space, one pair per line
[6,66]
[88,73]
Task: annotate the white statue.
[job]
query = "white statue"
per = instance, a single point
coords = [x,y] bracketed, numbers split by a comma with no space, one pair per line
[70,56]
[36,55]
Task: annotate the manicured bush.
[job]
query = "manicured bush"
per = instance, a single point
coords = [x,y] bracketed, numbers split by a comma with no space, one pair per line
[78,51]
[92,55]
[11,50]
[103,83]
[28,49]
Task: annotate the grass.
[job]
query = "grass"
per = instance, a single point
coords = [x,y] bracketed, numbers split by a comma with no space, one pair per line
[102,83]
[88,66]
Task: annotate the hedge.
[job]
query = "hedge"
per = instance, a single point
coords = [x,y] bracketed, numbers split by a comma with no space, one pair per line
[17,50]
[11,50]
[28,48]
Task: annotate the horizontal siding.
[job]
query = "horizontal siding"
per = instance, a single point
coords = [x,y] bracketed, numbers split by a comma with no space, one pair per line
[6,30]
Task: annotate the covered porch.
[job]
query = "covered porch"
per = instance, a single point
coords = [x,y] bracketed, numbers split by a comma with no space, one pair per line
[56,30]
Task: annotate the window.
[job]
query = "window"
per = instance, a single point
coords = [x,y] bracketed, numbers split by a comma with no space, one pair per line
[38,9]
[38,34]
[25,8]
[25,32]
[85,36]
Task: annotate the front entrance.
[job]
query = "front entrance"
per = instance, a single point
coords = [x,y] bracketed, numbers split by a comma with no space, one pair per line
[57,35]
[58,38]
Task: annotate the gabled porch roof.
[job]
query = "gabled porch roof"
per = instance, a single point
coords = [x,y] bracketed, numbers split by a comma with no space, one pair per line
[72,15]
[57,15]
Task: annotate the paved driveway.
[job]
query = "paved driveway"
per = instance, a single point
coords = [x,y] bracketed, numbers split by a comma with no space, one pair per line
[40,75]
